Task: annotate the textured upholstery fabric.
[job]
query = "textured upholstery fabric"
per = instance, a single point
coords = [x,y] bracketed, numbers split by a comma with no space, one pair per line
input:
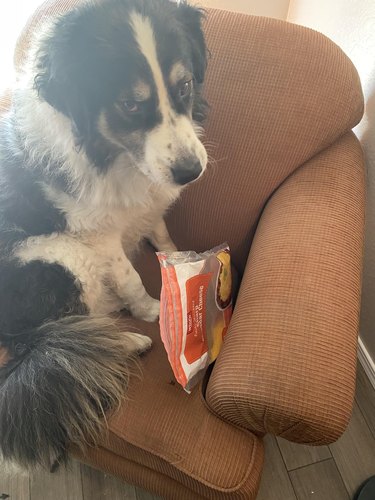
[289,361]
[279,93]
[283,99]
[174,434]
[103,459]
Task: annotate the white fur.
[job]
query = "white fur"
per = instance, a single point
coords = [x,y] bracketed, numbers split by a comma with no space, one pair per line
[160,238]
[145,38]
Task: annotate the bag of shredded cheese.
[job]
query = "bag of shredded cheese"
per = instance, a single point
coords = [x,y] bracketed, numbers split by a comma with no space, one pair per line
[195,309]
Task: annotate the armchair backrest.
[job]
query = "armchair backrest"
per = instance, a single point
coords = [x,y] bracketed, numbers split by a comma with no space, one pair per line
[279,94]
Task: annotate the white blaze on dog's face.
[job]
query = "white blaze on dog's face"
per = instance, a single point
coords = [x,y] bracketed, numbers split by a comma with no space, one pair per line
[172,149]
[128,75]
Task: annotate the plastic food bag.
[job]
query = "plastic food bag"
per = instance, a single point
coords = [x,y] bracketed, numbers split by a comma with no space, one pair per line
[195,309]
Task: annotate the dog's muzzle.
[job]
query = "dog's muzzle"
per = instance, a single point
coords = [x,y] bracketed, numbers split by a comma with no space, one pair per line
[186,171]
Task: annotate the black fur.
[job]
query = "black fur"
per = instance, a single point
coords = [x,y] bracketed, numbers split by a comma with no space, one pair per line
[54,295]
[24,209]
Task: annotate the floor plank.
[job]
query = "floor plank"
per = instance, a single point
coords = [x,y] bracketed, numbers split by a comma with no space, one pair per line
[365,397]
[17,486]
[64,484]
[298,455]
[145,495]
[354,452]
[320,481]
[99,486]
[274,473]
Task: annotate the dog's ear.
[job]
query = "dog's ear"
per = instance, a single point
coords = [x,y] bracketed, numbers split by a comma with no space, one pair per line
[192,19]
[60,78]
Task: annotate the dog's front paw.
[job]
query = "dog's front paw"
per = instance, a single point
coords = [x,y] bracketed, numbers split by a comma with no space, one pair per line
[142,343]
[148,310]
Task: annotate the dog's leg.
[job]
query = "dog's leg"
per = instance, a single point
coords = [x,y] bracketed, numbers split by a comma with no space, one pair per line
[160,238]
[129,287]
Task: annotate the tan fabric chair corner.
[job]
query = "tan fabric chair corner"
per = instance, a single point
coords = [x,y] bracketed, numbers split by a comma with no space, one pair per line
[287,193]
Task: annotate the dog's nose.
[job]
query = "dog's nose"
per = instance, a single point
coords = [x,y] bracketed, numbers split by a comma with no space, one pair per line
[185,172]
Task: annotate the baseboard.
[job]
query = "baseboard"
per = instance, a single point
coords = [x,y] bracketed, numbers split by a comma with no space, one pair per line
[366,361]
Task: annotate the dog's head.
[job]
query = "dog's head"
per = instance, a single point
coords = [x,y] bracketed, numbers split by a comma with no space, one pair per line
[128,74]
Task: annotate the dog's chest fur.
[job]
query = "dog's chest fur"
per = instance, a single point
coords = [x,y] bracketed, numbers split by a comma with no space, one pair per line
[110,213]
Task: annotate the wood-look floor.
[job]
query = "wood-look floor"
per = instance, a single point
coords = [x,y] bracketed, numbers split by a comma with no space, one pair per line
[292,472]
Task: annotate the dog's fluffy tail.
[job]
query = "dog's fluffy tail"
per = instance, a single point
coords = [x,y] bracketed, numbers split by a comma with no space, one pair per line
[57,385]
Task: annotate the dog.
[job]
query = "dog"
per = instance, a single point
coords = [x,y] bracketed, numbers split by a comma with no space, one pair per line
[102,137]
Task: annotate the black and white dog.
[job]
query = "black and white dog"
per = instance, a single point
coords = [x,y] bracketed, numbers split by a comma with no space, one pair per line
[102,137]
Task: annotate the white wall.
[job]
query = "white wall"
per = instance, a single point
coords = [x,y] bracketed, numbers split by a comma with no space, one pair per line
[351,24]
[269,8]
[13,16]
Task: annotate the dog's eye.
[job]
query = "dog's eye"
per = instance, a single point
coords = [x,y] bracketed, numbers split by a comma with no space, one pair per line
[130,106]
[185,88]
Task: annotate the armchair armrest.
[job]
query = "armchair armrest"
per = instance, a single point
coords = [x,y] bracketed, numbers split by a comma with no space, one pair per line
[289,360]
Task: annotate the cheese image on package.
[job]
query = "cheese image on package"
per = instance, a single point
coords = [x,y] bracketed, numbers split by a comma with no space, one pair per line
[195,309]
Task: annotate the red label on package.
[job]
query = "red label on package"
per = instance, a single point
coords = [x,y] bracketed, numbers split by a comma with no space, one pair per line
[196,296]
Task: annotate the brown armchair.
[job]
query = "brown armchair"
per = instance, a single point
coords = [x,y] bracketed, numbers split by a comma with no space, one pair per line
[287,192]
